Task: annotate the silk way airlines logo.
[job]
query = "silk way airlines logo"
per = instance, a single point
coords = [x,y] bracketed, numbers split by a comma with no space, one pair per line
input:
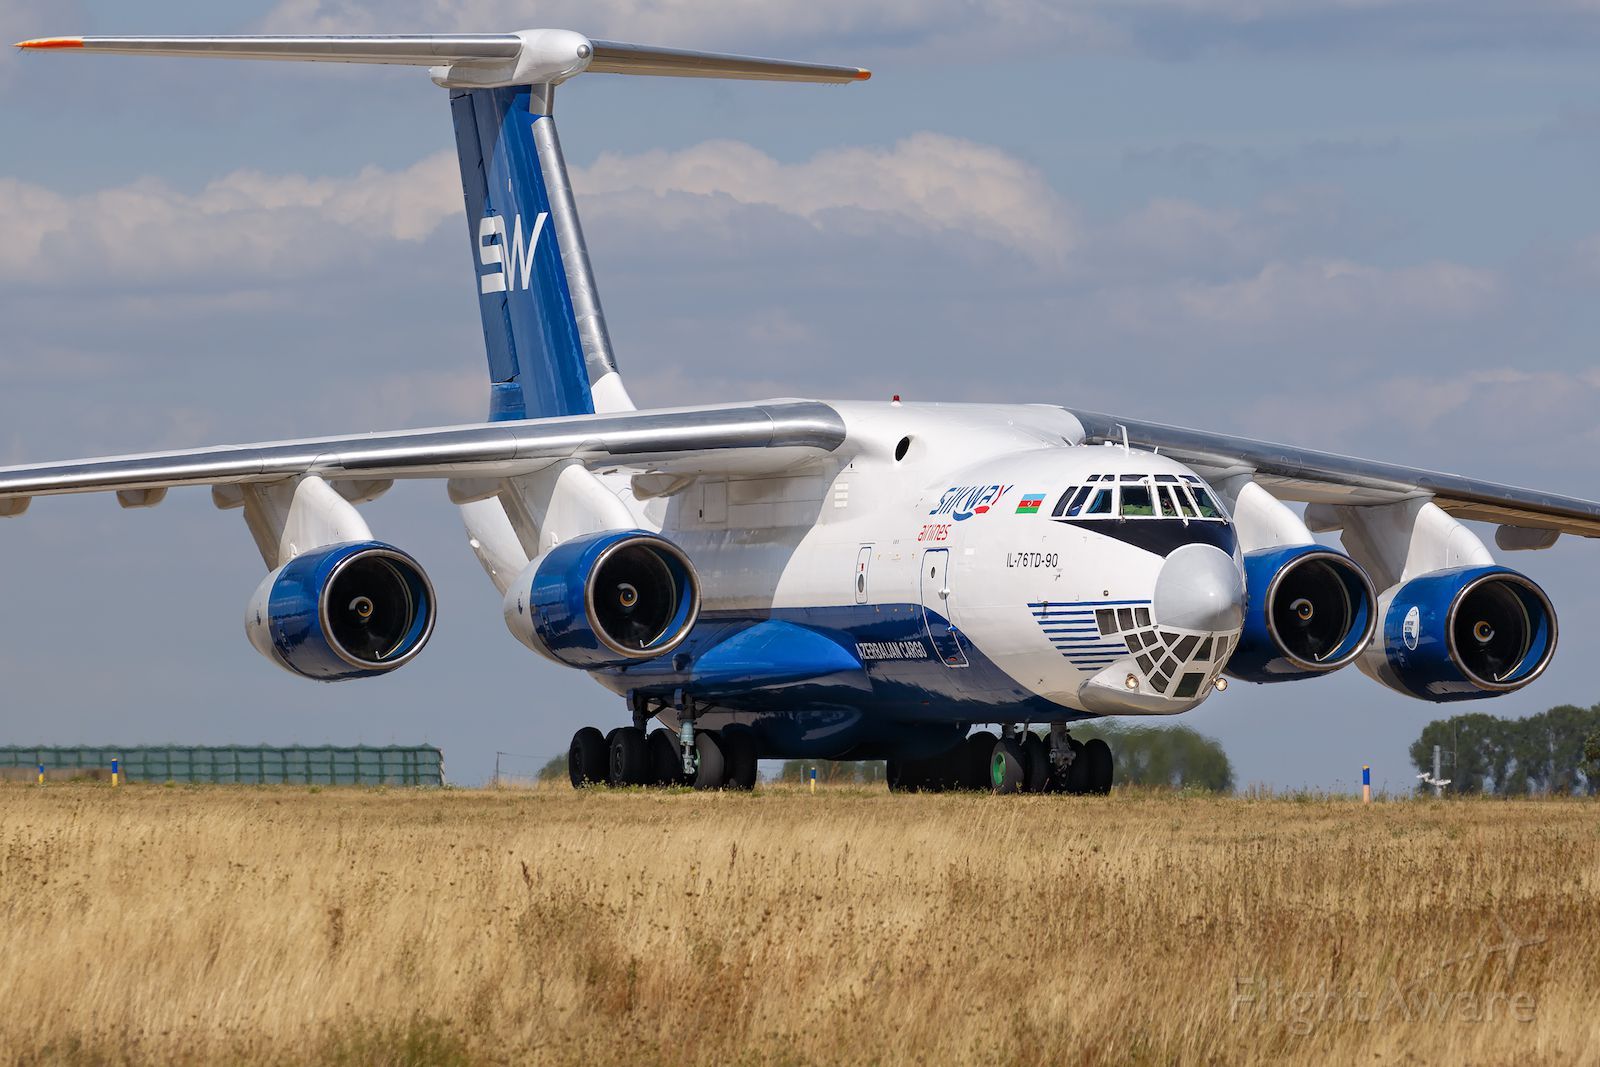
[509,259]
[961,502]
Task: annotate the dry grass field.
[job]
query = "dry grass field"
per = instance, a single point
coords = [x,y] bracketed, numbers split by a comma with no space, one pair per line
[281,925]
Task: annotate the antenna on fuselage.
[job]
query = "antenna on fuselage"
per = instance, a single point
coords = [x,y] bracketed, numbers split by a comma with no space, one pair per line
[1124,430]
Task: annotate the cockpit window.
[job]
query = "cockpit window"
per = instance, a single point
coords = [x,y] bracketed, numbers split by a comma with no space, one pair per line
[1136,502]
[1208,507]
[1139,496]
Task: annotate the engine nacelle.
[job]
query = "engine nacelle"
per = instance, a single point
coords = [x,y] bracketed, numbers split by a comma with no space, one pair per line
[350,610]
[605,599]
[1308,610]
[1462,634]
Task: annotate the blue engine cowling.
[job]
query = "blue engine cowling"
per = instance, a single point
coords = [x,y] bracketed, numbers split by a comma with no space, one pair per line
[605,599]
[1462,634]
[349,610]
[1308,610]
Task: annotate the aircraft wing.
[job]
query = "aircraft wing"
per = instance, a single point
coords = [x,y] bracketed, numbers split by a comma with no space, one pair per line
[1327,478]
[757,437]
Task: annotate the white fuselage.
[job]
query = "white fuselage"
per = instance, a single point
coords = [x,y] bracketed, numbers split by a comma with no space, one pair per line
[924,516]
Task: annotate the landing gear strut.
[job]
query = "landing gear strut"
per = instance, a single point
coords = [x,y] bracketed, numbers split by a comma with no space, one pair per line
[1078,767]
[1018,761]
[635,755]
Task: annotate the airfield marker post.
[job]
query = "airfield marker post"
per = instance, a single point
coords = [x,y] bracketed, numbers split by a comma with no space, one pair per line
[114,782]
[813,780]
[1366,783]
[41,774]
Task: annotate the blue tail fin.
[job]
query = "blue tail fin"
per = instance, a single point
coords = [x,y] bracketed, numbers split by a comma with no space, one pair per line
[537,365]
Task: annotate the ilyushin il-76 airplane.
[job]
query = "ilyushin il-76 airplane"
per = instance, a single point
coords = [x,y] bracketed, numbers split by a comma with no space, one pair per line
[819,579]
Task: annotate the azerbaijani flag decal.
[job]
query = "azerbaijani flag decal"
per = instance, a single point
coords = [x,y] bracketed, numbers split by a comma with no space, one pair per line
[1030,504]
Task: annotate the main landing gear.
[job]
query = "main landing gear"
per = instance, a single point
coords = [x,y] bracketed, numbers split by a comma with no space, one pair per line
[1019,761]
[631,755]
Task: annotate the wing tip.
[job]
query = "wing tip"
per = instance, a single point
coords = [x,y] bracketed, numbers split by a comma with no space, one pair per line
[50,43]
[863,75]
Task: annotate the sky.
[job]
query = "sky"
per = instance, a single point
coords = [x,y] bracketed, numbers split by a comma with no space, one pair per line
[1367,226]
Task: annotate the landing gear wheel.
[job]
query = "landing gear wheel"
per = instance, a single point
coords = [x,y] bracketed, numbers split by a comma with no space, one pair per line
[972,761]
[1007,772]
[902,775]
[944,773]
[1036,761]
[739,757]
[708,764]
[666,760]
[1076,780]
[630,757]
[1097,754]
[587,758]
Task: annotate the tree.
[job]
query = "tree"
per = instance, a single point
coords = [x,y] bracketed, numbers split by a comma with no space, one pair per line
[1545,753]
[1172,756]
[1591,761]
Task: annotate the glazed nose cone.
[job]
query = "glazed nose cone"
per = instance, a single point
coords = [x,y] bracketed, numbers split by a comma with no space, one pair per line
[1200,588]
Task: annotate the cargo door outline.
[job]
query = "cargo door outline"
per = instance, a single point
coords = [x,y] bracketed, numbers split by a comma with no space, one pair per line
[936,610]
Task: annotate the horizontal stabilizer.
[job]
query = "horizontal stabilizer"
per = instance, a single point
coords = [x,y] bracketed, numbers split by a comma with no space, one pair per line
[470,59]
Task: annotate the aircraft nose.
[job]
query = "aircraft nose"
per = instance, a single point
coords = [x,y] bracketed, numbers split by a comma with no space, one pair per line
[1200,588]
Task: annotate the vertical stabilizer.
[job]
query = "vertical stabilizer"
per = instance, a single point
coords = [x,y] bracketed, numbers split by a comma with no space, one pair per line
[549,353]
[542,327]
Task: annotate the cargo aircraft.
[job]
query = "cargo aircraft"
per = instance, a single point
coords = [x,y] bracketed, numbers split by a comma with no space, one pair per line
[830,579]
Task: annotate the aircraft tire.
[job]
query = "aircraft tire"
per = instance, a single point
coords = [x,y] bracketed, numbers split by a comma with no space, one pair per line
[1076,780]
[1101,767]
[739,757]
[1036,762]
[630,757]
[949,770]
[1007,771]
[587,759]
[902,775]
[666,759]
[971,761]
[709,770]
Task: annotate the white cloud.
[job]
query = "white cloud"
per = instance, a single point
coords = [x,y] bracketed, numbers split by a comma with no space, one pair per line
[249,225]
[1507,413]
[939,184]
[1313,291]
[1305,299]
[243,226]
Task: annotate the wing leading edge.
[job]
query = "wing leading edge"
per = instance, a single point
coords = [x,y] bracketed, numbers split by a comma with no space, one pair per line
[767,436]
[1327,478]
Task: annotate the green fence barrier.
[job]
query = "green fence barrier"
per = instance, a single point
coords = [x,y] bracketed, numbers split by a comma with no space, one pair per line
[247,765]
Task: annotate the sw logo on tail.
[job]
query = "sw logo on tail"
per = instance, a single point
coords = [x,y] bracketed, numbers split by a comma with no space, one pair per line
[492,246]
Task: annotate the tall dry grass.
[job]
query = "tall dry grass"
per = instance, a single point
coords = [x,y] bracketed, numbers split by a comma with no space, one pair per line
[278,925]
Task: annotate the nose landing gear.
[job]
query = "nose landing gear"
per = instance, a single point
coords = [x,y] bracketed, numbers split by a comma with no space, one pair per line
[1024,762]
[1020,761]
